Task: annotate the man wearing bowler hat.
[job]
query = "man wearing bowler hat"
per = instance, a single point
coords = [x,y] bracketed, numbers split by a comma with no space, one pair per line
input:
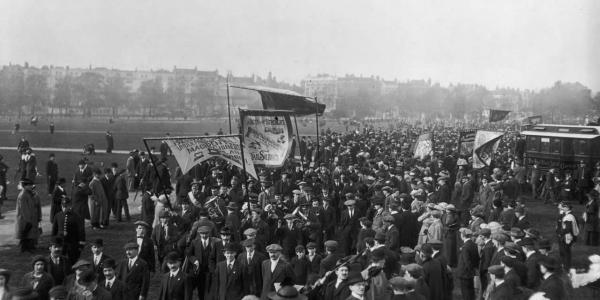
[274,270]
[134,272]
[501,289]
[175,284]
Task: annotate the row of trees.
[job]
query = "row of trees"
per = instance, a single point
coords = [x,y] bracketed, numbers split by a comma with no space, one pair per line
[90,91]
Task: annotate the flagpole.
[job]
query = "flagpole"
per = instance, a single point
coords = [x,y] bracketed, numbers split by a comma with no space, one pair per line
[152,160]
[245,173]
[228,104]
[317,119]
[298,142]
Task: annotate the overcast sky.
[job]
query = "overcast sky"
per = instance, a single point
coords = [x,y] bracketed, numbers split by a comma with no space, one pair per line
[520,43]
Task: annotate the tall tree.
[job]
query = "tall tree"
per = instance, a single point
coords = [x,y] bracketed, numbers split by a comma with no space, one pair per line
[175,94]
[116,93]
[36,91]
[63,94]
[88,90]
[151,94]
[12,89]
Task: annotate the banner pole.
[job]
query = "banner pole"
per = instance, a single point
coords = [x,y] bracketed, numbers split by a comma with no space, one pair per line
[245,173]
[228,104]
[156,171]
[317,120]
[298,142]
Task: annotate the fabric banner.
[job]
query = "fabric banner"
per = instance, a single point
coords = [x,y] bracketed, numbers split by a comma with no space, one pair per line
[424,146]
[279,99]
[191,151]
[498,115]
[486,143]
[268,136]
[533,120]
[465,141]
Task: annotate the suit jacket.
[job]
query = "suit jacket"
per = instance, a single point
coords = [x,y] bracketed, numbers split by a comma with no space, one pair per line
[101,293]
[468,260]
[207,258]
[553,287]
[117,289]
[534,276]
[136,279]
[433,275]
[98,267]
[146,252]
[180,287]
[282,270]
[45,283]
[342,292]
[228,284]
[59,271]
[503,291]
[523,223]
[487,252]
[251,272]
[392,238]
[163,244]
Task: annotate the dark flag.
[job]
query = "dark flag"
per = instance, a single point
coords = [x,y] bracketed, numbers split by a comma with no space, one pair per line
[465,141]
[486,143]
[533,120]
[278,99]
[498,115]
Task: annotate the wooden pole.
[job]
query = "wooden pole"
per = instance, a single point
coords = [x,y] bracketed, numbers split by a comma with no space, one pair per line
[228,104]
[298,141]
[244,168]
[317,120]
[153,161]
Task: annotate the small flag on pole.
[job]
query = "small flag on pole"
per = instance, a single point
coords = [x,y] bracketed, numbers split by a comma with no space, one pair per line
[498,115]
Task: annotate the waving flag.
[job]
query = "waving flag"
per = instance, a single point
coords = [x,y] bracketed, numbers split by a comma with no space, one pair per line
[486,143]
[498,115]
[279,99]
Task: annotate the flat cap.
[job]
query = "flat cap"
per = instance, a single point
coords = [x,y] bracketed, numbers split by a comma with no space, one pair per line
[83,262]
[274,248]
[250,231]
[331,245]
[173,257]
[508,261]
[500,237]
[203,229]
[109,263]
[402,284]
[485,232]
[311,245]
[230,247]
[496,270]
[300,248]
[142,223]
[98,243]
[130,245]
[349,202]
[465,231]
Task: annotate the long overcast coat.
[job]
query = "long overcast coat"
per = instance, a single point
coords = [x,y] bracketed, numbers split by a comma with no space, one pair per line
[29,215]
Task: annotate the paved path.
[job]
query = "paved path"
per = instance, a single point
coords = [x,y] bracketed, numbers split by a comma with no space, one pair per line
[7,225]
[73,150]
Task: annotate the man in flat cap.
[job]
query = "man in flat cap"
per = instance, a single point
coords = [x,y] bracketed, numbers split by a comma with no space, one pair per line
[348,227]
[227,281]
[403,288]
[336,288]
[250,262]
[115,286]
[552,286]
[134,272]
[487,252]
[145,244]
[71,282]
[468,264]
[164,236]
[332,256]
[501,289]
[175,284]
[70,227]
[532,256]
[202,253]
[274,270]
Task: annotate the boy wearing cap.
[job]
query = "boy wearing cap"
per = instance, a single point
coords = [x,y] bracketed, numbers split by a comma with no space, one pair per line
[111,283]
[39,280]
[134,272]
[532,257]
[348,227]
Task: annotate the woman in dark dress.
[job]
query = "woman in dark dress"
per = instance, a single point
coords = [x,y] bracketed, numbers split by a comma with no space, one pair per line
[451,224]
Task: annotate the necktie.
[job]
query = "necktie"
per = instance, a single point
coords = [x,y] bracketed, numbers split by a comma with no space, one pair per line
[108,285]
[249,258]
[350,213]
[130,264]
[229,266]
[166,232]
[204,244]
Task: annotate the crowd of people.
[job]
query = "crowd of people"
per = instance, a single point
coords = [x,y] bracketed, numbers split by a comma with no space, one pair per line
[356,217]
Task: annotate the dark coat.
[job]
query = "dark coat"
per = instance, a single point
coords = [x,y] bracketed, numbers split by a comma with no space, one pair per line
[328,263]
[301,269]
[315,264]
[392,238]
[408,227]
[70,226]
[147,253]
[117,290]
[180,287]
[100,293]
[553,288]
[45,283]
[228,284]
[282,270]
[523,223]
[468,260]
[433,275]
[29,214]
[252,272]
[487,252]
[137,280]
[59,271]
[342,292]
[503,291]
[56,200]
[98,267]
